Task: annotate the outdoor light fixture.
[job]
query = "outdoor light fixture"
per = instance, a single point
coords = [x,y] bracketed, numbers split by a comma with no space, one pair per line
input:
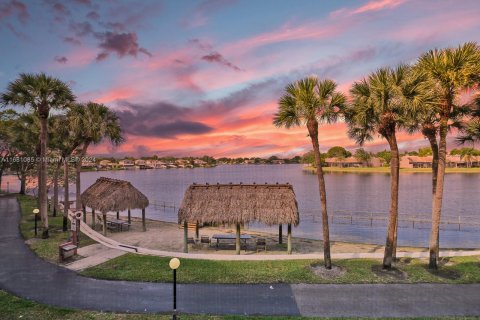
[174,264]
[36,212]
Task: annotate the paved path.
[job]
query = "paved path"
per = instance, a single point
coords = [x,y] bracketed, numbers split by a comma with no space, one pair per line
[93,255]
[24,274]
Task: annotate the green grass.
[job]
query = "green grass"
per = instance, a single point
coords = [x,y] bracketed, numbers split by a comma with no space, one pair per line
[387,170]
[155,269]
[44,248]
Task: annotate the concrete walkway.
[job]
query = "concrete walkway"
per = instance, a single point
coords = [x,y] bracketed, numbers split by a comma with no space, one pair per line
[24,274]
[93,255]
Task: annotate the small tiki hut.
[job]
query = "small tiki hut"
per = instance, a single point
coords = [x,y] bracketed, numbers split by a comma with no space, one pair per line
[112,195]
[271,204]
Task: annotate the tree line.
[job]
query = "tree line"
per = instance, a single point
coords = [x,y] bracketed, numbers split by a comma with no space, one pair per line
[54,134]
[424,97]
[338,152]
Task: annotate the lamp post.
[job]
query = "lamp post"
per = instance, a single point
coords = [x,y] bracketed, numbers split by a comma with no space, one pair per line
[174,264]
[35,212]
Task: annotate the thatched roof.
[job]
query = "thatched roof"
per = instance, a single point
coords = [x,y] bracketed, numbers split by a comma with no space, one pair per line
[107,195]
[238,203]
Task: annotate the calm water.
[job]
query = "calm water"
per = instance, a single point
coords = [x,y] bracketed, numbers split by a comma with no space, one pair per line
[346,192]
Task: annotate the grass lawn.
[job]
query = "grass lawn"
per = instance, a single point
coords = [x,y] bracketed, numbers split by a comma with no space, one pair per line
[155,269]
[387,170]
[45,248]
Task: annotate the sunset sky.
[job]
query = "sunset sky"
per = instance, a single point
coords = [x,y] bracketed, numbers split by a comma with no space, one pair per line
[204,77]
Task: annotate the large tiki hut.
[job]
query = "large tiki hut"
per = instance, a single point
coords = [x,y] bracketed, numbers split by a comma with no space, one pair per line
[237,204]
[112,195]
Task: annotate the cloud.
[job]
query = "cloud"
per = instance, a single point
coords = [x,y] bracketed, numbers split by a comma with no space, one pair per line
[122,44]
[199,16]
[371,6]
[60,9]
[60,59]
[218,58]
[87,3]
[161,120]
[93,15]
[72,40]
[14,8]
[81,29]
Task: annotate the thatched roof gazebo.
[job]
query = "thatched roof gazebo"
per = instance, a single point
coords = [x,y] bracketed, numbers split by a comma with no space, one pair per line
[271,204]
[112,195]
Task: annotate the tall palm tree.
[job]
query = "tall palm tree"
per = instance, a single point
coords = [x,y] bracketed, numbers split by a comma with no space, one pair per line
[65,141]
[452,70]
[380,104]
[309,102]
[41,93]
[95,122]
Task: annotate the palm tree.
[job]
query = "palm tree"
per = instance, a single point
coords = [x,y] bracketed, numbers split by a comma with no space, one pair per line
[95,122]
[452,70]
[380,104]
[311,101]
[41,93]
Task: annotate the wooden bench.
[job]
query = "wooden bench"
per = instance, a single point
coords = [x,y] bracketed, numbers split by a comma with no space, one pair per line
[66,250]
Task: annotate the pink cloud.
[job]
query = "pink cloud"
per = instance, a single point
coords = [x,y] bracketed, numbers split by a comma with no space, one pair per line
[370,6]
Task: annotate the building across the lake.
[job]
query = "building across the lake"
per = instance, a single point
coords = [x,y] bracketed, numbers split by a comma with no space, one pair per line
[352,162]
[452,162]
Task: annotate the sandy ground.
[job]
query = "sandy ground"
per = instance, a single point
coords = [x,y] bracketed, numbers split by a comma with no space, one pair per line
[169,237]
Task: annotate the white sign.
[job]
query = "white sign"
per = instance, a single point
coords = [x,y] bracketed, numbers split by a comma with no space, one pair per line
[74,225]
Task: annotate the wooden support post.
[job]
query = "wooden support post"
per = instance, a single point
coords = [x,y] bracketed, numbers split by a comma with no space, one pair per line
[93,218]
[84,214]
[280,234]
[129,217]
[143,220]
[237,240]
[197,231]
[289,239]
[104,224]
[185,236]
[118,215]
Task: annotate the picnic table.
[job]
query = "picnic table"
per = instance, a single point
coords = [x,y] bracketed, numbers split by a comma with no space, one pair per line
[118,225]
[230,237]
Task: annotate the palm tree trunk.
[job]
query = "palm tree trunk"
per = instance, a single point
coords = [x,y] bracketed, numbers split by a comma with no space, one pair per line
[66,203]
[42,187]
[312,126]
[390,245]
[23,183]
[434,145]
[438,197]
[55,188]
[78,168]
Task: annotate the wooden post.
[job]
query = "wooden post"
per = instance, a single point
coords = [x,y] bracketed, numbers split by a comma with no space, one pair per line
[129,217]
[118,215]
[84,214]
[143,220]
[289,239]
[237,241]
[185,236]
[93,218]
[104,224]
[280,234]
[197,231]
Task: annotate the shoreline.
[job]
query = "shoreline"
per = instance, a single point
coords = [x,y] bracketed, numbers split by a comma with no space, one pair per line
[386,170]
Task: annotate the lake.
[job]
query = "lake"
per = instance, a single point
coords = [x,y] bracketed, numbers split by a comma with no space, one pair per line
[347,194]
